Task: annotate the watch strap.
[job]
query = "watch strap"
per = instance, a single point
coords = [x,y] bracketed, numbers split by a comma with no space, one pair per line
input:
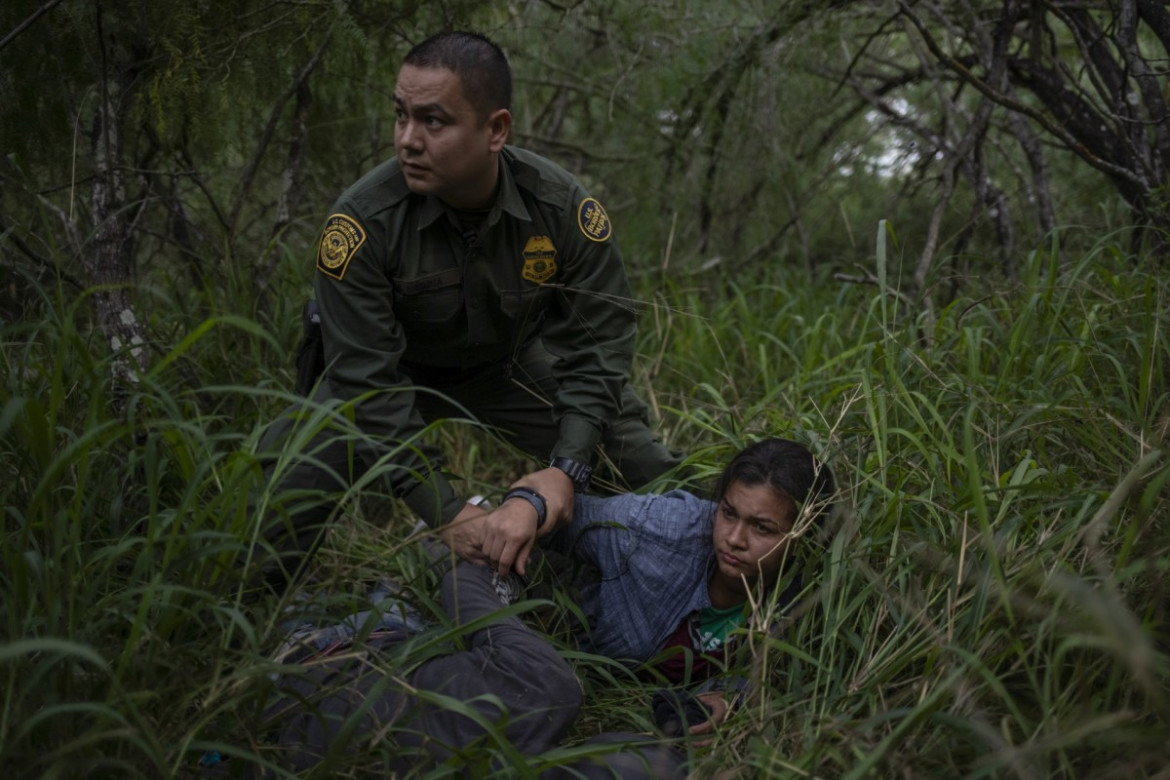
[532,497]
[577,471]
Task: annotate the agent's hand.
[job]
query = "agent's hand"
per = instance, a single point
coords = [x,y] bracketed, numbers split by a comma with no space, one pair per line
[510,531]
[719,709]
[464,534]
[558,492]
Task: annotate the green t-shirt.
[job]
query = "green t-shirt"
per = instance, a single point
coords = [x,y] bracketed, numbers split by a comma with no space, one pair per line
[696,648]
[716,624]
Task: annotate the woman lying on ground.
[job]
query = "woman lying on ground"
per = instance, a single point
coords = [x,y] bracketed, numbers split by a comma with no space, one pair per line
[674,575]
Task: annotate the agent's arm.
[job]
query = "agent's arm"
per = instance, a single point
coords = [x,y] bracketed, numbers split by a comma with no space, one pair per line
[363,343]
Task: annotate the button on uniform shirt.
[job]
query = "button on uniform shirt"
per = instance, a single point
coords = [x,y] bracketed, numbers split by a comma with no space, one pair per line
[653,556]
[400,283]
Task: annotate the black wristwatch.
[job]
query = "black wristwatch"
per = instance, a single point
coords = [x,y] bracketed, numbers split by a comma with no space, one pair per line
[577,471]
[532,497]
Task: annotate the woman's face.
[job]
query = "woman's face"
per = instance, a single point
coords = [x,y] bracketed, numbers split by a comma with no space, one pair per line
[752,527]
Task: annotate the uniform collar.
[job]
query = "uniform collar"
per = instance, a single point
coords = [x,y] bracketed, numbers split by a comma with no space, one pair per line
[432,208]
[508,200]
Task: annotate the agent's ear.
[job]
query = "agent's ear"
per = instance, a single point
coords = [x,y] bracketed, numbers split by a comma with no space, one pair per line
[500,125]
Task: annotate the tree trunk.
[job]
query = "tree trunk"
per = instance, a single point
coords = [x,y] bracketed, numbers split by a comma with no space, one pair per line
[290,191]
[108,264]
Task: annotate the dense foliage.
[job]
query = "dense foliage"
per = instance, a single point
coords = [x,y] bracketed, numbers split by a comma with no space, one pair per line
[994,600]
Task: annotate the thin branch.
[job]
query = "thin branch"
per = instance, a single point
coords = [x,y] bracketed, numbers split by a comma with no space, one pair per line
[1007,102]
[270,131]
[69,224]
[37,14]
[40,261]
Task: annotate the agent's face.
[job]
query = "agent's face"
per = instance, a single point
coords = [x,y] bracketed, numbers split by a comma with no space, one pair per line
[444,147]
[751,531]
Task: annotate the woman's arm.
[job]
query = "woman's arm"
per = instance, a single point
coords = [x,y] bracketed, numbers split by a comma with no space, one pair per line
[606,530]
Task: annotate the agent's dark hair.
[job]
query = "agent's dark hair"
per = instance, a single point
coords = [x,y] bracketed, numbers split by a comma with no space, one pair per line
[786,466]
[481,66]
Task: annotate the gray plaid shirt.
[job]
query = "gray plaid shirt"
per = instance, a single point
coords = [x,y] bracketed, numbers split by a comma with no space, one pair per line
[653,554]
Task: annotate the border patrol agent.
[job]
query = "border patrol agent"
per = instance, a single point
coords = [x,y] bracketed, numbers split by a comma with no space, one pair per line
[488,275]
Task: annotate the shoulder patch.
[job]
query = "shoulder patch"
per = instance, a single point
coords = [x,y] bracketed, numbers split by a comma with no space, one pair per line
[593,221]
[341,237]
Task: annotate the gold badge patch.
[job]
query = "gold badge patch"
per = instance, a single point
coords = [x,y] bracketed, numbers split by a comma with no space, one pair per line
[341,237]
[593,221]
[540,259]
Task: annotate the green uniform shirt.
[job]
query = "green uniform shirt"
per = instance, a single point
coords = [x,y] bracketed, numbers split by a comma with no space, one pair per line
[398,282]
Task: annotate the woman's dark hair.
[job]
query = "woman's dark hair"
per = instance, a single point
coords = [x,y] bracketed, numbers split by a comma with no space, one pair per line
[481,66]
[790,468]
[786,466]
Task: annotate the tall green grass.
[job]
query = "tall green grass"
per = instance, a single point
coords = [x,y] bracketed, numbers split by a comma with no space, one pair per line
[993,603]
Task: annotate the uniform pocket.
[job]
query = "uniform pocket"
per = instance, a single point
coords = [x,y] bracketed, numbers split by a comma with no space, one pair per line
[526,304]
[432,299]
